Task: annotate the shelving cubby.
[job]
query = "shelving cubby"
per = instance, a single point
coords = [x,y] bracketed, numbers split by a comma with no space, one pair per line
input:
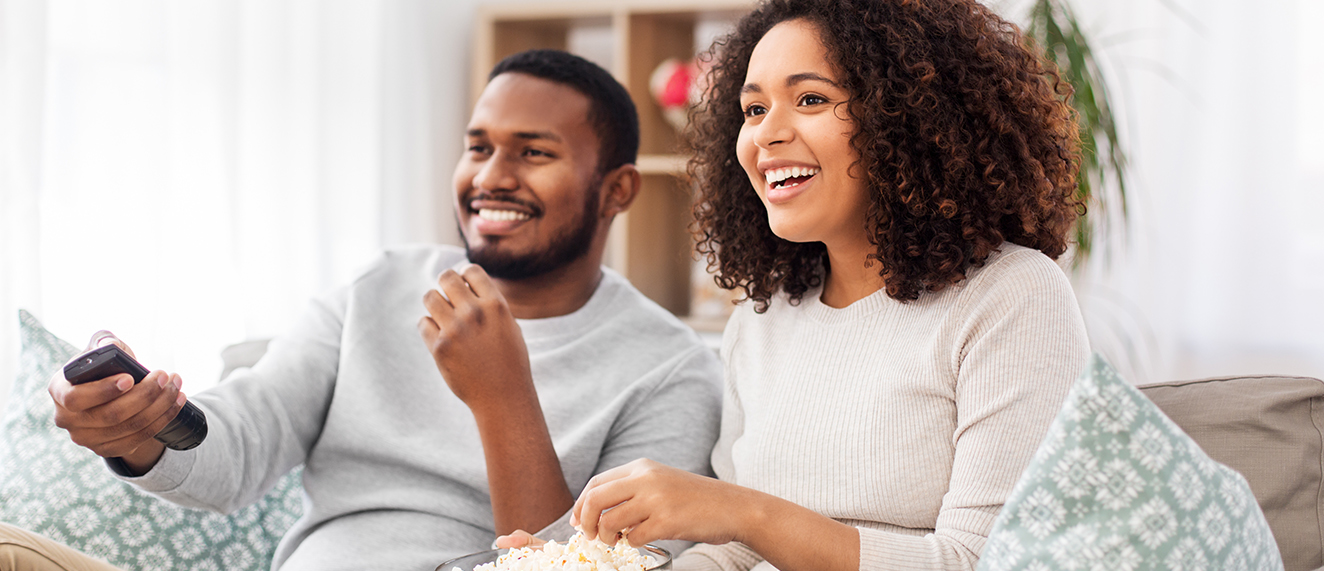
[650,245]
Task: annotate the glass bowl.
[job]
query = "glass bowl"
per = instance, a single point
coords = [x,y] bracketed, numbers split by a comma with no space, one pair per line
[468,562]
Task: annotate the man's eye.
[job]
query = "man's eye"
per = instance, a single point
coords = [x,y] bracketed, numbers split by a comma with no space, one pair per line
[478,149]
[755,110]
[536,153]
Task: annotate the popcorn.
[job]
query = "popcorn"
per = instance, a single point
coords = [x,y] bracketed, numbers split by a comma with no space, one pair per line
[578,554]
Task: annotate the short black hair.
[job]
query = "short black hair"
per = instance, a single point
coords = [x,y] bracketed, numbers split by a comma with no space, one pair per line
[610,111]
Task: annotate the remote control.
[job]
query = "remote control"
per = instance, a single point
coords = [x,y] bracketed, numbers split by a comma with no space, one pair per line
[188,428]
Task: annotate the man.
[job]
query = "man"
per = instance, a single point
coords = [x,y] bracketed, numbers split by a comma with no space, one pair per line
[537,367]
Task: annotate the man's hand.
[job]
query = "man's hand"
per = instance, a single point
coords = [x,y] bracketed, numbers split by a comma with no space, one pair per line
[478,347]
[113,417]
[475,341]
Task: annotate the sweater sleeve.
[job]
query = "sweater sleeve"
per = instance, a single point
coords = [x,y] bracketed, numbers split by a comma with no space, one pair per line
[1014,354]
[731,556]
[261,422]
[674,424]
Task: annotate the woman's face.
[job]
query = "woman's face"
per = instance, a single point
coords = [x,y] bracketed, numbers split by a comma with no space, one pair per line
[795,142]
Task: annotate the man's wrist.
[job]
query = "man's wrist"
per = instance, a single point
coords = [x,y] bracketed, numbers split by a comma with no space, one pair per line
[140,461]
[500,408]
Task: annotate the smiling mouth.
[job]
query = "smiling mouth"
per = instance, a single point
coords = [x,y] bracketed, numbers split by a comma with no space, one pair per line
[494,208]
[789,176]
[496,215]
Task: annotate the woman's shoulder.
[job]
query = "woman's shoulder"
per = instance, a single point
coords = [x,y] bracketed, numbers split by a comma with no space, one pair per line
[1016,268]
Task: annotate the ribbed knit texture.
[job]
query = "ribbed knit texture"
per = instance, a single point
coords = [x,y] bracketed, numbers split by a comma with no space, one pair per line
[911,421]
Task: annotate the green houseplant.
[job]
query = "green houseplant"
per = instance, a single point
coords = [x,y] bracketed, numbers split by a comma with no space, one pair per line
[1054,28]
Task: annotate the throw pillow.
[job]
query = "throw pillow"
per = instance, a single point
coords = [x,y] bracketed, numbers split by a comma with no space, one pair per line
[54,487]
[1116,485]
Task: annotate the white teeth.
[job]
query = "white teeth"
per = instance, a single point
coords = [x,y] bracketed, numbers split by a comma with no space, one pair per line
[775,176]
[501,215]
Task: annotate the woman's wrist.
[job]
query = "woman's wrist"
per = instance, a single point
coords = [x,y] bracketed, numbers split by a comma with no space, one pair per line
[791,537]
[754,512]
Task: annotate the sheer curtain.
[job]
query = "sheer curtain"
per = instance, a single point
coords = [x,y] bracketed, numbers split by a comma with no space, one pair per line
[189,174]
[1222,270]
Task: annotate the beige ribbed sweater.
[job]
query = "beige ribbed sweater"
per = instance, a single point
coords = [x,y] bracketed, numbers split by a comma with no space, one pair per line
[910,421]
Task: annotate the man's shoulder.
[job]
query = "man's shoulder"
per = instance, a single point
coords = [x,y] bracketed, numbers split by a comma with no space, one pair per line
[629,304]
[424,256]
[427,260]
[635,324]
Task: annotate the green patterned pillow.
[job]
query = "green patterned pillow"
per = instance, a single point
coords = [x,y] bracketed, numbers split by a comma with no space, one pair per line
[1116,485]
[54,487]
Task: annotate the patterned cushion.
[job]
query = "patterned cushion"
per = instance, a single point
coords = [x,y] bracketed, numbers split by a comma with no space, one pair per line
[1116,485]
[54,487]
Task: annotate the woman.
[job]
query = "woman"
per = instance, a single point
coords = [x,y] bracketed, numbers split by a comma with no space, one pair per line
[888,181]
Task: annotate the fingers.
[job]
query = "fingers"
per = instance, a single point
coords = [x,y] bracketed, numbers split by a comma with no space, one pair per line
[104,337]
[479,282]
[598,515]
[87,395]
[456,289]
[593,483]
[439,308]
[606,491]
[152,421]
[627,520]
[465,294]
[120,425]
[519,538]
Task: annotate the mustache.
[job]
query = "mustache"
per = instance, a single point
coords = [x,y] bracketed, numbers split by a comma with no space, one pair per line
[490,197]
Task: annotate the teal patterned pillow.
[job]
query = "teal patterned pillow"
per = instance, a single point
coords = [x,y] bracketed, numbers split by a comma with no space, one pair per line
[1117,486]
[54,487]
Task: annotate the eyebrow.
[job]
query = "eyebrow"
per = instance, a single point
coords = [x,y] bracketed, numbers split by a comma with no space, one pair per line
[791,80]
[524,135]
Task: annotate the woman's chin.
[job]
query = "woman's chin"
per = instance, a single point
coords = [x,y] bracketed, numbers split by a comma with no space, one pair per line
[791,231]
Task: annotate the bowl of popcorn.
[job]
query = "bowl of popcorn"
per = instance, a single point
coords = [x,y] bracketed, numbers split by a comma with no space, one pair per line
[578,554]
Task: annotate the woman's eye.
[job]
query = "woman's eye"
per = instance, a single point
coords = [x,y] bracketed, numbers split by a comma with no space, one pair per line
[813,100]
[754,110]
[477,149]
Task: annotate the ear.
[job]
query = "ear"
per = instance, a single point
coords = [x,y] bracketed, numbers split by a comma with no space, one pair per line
[619,188]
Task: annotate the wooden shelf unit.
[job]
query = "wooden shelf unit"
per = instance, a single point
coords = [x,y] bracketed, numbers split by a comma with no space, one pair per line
[650,245]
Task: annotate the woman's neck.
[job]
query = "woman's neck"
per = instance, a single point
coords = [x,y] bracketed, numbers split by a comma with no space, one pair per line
[852,276]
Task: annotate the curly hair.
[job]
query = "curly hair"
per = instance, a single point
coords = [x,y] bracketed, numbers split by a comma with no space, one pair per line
[964,136]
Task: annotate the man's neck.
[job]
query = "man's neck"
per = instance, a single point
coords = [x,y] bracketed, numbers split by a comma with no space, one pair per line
[559,292]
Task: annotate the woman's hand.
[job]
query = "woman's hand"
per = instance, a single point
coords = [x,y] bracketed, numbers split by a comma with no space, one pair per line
[647,501]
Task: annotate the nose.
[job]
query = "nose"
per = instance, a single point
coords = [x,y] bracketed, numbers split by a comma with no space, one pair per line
[496,174]
[774,129]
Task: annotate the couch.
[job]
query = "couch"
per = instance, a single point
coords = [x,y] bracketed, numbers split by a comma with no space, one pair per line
[1270,429]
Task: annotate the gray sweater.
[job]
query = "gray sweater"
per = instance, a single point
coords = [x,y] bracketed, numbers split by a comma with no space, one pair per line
[394,474]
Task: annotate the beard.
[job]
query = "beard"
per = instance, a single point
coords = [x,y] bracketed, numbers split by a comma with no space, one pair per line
[569,245]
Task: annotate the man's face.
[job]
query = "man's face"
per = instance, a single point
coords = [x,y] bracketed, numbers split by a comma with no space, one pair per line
[527,185]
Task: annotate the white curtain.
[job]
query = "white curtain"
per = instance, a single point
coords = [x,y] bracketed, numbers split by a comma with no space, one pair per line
[189,174]
[1222,271]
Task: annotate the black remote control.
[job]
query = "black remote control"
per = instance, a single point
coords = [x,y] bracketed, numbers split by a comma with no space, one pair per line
[188,428]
